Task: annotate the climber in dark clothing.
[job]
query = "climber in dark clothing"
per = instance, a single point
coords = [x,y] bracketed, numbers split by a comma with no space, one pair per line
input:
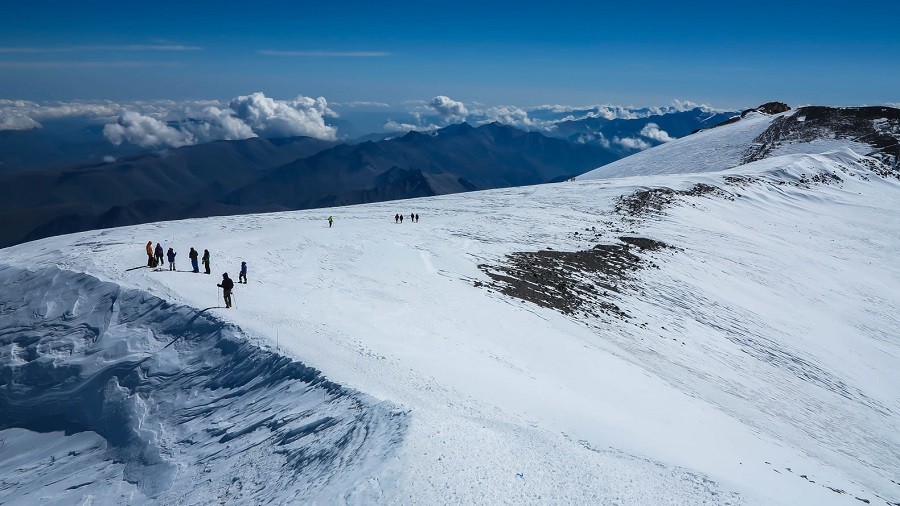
[396,218]
[193,256]
[242,277]
[171,255]
[206,260]
[226,285]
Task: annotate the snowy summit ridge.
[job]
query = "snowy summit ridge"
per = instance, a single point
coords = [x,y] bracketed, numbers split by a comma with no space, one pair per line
[710,321]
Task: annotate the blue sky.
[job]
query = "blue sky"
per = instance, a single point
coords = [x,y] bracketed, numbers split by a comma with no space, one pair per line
[725,53]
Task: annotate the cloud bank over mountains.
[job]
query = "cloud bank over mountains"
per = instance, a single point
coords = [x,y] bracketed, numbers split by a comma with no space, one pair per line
[164,124]
[425,116]
[244,117]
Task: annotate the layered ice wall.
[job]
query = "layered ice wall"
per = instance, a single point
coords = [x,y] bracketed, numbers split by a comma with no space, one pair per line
[118,395]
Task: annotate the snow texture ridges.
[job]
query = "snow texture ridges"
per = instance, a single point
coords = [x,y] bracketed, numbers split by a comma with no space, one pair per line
[192,408]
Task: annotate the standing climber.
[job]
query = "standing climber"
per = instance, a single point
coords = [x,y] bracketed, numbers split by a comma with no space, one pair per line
[171,256]
[330,221]
[396,218]
[401,218]
[412,218]
[206,260]
[149,253]
[158,254]
[417,217]
[242,277]
[226,285]
[193,256]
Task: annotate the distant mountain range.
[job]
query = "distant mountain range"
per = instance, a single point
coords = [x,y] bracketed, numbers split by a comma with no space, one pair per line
[178,183]
[600,130]
[258,175]
[261,175]
[454,159]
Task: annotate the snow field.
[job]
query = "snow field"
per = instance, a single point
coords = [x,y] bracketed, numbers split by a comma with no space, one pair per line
[785,300]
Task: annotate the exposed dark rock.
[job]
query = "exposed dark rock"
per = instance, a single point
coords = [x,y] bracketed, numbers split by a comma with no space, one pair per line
[654,200]
[876,126]
[769,108]
[572,282]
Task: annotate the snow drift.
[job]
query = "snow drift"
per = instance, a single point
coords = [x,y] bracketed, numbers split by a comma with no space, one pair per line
[177,396]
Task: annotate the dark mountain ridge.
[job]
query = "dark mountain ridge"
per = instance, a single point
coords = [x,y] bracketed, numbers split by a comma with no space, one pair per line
[454,159]
[260,175]
[55,201]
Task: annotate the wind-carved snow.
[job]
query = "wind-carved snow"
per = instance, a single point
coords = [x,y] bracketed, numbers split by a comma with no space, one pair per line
[167,403]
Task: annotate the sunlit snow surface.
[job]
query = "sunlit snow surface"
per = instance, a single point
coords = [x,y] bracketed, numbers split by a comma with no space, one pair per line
[759,362]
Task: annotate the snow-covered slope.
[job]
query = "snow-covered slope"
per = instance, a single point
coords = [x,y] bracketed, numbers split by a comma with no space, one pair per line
[696,338]
[710,150]
[757,135]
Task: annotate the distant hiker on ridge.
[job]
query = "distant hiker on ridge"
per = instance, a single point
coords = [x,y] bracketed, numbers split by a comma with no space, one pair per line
[193,256]
[417,217]
[412,217]
[330,221]
[401,218]
[243,274]
[226,285]
[171,255]
[206,260]
[396,218]
[158,254]
[149,253]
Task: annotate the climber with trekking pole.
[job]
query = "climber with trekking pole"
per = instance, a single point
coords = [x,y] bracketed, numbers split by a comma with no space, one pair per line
[226,285]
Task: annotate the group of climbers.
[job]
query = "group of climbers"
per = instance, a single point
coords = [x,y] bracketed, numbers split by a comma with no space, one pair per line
[414,218]
[155,261]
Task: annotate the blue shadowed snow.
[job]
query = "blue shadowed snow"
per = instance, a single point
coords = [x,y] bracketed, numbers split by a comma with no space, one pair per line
[212,414]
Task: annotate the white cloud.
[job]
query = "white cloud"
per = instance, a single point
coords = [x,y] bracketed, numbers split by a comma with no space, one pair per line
[558,108]
[611,112]
[513,116]
[631,143]
[146,132]
[170,123]
[394,126]
[89,109]
[213,123]
[687,105]
[652,131]
[451,111]
[5,102]
[109,159]
[301,116]
[16,121]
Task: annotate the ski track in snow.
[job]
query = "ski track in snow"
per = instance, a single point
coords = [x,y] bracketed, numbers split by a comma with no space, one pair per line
[759,363]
